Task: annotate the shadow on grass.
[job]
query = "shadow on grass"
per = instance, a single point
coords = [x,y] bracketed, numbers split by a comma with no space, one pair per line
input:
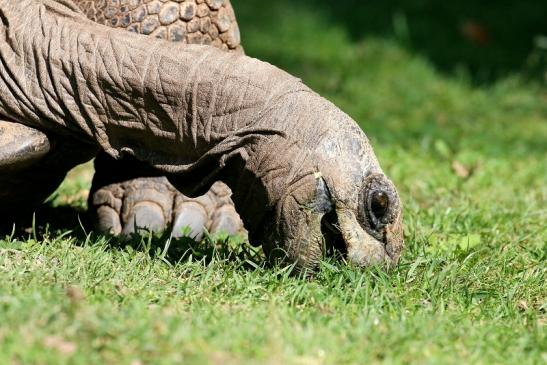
[46,219]
[70,222]
[485,39]
[217,247]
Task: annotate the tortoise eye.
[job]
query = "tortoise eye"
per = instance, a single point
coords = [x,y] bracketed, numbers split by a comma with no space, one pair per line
[379,205]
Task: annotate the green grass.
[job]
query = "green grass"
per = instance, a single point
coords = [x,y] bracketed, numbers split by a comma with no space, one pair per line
[471,284]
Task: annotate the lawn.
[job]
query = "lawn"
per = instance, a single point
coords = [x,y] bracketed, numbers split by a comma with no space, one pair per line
[460,125]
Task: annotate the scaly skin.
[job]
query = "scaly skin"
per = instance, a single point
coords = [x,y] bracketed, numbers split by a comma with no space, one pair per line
[131,203]
[296,164]
[210,22]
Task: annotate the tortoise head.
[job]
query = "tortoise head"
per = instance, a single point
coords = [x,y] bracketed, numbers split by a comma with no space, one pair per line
[346,204]
[364,224]
[364,221]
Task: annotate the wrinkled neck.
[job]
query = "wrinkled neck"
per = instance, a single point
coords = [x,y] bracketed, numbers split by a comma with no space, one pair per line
[264,179]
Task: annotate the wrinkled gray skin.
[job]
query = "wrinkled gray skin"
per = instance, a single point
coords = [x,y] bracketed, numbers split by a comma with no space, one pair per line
[299,168]
[126,195]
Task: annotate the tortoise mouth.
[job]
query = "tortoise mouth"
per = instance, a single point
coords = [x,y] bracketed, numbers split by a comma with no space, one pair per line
[333,239]
[346,240]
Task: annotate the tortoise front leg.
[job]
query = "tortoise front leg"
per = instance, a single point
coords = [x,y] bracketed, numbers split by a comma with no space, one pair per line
[153,204]
[124,202]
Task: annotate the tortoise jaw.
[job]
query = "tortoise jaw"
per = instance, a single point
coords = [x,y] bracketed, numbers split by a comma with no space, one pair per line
[344,236]
[363,249]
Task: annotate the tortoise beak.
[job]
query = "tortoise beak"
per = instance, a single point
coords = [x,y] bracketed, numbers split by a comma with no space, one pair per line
[360,248]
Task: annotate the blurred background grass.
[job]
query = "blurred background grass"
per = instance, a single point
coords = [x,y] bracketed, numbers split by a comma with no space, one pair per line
[481,41]
[420,69]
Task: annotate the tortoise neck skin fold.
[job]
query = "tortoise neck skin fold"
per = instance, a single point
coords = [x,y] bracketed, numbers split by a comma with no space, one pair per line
[192,111]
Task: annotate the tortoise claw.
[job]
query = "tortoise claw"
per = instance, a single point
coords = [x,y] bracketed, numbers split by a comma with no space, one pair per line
[226,220]
[108,220]
[146,216]
[191,220]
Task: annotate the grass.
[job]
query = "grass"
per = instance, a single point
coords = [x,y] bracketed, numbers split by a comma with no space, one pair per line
[469,156]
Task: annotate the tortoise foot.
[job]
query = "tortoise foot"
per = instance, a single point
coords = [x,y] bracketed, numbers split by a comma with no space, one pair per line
[152,204]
